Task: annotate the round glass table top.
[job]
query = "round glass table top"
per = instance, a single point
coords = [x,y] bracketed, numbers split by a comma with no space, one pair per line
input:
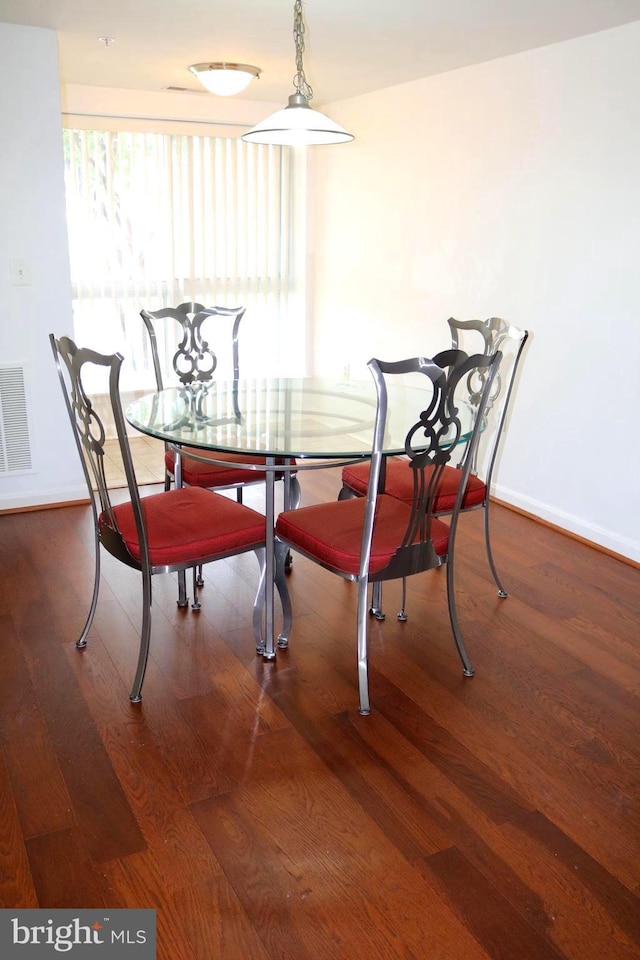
[280,417]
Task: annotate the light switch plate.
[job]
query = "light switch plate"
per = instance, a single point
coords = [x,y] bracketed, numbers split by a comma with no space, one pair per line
[20,276]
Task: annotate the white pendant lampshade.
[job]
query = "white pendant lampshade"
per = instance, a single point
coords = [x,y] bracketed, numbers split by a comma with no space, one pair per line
[224,79]
[298,124]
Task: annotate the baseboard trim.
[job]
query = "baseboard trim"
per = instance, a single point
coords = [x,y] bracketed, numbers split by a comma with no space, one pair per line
[621,548]
[61,498]
[45,506]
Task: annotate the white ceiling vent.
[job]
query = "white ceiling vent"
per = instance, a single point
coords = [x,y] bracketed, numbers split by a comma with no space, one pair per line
[15,445]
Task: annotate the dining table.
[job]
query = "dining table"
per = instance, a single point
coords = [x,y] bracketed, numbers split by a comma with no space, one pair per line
[294,423]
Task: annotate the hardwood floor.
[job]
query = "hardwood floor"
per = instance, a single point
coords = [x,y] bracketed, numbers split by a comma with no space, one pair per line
[263,818]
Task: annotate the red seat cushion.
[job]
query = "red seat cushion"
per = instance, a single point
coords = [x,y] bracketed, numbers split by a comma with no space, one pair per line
[189,525]
[332,532]
[399,484]
[195,473]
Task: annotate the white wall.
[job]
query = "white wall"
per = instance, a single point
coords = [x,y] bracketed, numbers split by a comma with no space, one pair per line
[511,188]
[33,229]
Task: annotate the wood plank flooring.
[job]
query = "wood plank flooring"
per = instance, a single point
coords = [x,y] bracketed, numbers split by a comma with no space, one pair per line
[250,804]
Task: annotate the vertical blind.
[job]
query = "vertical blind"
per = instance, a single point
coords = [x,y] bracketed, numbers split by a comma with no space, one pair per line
[155,220]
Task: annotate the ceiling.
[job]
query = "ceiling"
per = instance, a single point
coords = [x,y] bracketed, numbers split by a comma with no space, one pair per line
[352,46]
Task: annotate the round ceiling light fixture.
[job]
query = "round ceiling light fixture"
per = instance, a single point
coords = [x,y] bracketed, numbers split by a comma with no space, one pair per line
[224,79]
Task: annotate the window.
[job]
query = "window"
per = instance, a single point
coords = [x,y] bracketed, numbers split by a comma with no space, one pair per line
[157,219]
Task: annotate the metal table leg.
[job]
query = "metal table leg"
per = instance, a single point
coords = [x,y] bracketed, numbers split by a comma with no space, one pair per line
[269,646]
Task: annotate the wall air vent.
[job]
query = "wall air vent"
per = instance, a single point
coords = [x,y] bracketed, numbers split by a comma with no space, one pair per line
[15,444]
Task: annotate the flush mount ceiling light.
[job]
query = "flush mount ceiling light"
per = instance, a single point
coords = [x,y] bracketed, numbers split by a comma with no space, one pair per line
[298,124]
[224,79]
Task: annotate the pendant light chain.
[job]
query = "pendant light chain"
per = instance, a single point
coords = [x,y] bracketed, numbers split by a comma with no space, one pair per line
[298,124]
[300,81]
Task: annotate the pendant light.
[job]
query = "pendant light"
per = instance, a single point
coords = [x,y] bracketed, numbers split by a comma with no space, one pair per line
[224,79]
[298,124]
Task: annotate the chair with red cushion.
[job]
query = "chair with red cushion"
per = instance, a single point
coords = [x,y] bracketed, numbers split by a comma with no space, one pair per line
[175,530]
[379,537]
[486,336]
[181,350]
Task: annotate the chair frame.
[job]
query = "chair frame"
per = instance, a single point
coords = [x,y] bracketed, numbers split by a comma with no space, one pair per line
[494,333]
[194,360]
[90,435]
[416,552]
[193,349]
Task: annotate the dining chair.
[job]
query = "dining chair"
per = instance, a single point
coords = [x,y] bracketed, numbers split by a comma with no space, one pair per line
[487,336]
[378,537]
[171,531]
[181,350]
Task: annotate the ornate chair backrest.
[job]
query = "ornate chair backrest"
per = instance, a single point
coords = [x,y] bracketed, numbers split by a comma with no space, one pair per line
[82,374]
[443,422]
[487,336]
[193,359]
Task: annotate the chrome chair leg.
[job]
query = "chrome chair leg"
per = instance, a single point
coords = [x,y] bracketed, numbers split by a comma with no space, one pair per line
[183,599]
[487,539]
[81,642]
[200,577]
[196,583]
[363,675]
[376,602]
[292,498]
[402,612]
[295,493]
[467,668]
[282,555]
[145,637]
